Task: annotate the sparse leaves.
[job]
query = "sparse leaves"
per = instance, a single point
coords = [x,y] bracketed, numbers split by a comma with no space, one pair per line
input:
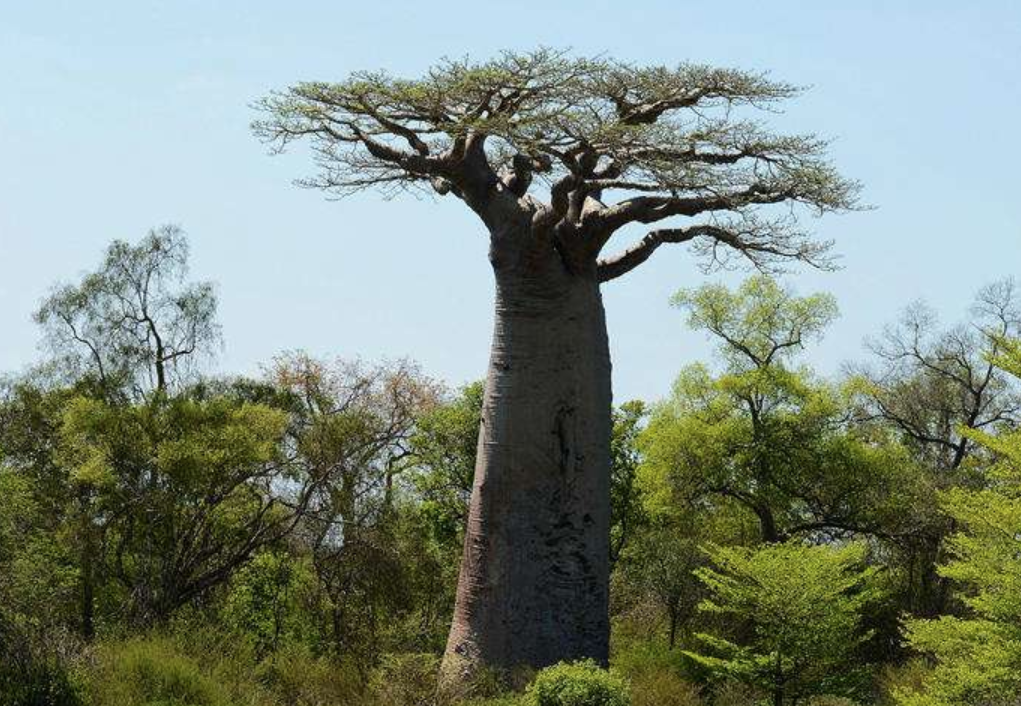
[134,323]
[585,145]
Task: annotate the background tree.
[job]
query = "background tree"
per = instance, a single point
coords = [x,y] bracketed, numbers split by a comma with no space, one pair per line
[558,155]
[660,563]
[931,385]
[627,512]
[183,492]
[765,434]
[134,322]
[131,326]
[977,655]
[352,430]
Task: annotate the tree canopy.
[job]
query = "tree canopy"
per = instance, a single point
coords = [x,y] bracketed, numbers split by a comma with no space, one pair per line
[584,146]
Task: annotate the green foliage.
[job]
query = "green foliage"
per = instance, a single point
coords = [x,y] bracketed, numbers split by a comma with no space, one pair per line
[895,680]
[831,701]
[37,573]
[405,680]
[33,674]
[295,677]
[443,448]
[149,469]
[39,684]
[148,671]
[664,688]
[803,607]
[581,683]
[627,512]
[977,656]
[134,323]
[263,603]
[656,673]
[764,435]
[659,564]
[760,324]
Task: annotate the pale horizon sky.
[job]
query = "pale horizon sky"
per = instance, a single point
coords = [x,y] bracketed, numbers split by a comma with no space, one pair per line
[118,116]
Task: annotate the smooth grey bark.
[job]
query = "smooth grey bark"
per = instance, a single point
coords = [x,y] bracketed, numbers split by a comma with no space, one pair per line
[534,579]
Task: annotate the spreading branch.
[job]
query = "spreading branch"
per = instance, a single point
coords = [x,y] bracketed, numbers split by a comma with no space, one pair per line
[586,146]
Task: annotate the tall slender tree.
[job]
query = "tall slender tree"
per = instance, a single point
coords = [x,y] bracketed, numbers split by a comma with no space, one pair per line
[557,155]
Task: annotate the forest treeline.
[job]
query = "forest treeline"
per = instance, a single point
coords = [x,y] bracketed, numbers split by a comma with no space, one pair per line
[169,536]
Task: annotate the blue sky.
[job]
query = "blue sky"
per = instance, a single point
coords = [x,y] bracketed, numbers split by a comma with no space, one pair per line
[117,116]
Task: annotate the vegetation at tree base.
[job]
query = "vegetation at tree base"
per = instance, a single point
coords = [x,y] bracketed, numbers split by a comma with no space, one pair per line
[577,684]
[307,536]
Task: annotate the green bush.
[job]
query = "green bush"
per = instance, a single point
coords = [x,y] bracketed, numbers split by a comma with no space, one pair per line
[581,683]
[636,658]
[297,678]
[735,693]
[38,683]
[508,699]
[663,688]
[33,671]
[831,701]
[150,671]
[405,680]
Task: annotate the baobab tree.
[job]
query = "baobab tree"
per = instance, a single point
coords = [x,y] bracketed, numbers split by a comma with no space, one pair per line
[557,155]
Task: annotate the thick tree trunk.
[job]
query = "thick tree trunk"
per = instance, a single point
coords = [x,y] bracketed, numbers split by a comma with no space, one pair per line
[533,586]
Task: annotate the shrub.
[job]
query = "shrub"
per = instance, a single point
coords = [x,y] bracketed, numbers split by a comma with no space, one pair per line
[636,658]
[405,680]
[38,683]
[508,699]
[34,664]
[147,671]
[735,693]
[581,683]
[663,688]
[297,678]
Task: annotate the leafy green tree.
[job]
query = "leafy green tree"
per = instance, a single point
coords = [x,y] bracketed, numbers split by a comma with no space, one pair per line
[56,546]
[767,435]
[350,434]
[38,571]
[557,155]
[660,564]
[802,606]
[977,656]
[181,490]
